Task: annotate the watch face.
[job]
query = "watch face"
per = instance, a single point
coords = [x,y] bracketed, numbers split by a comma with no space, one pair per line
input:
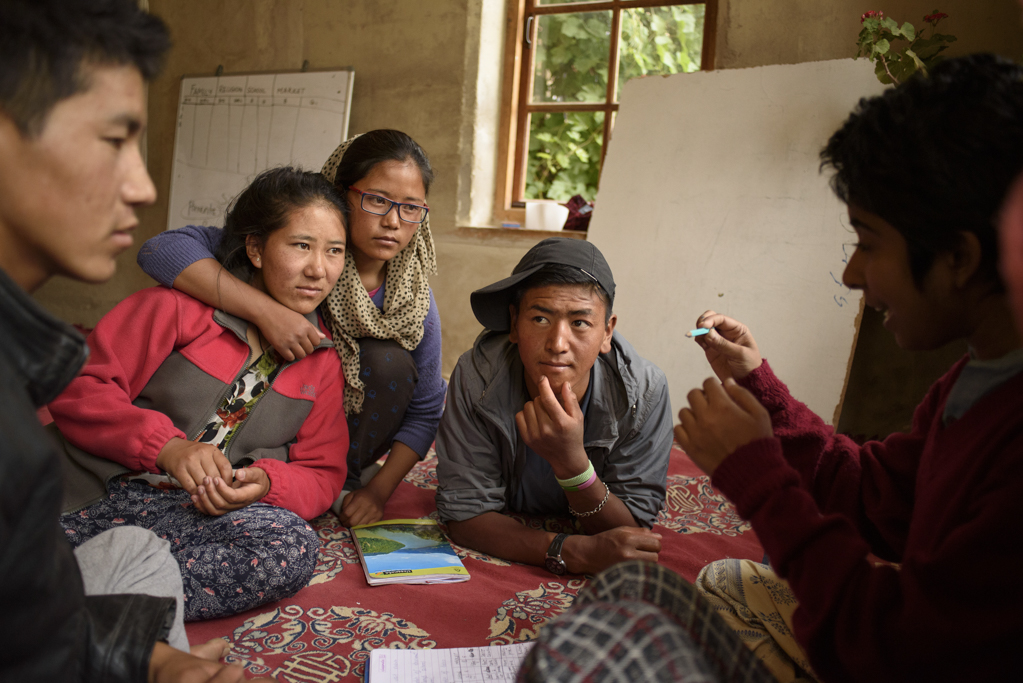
[555,565]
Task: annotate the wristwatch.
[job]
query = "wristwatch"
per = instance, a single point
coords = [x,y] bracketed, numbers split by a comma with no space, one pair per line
[553,561]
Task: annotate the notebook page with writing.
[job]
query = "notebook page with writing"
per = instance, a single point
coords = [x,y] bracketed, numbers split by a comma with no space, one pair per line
[492,664]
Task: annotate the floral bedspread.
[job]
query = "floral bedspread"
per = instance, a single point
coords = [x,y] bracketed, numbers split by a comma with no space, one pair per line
[326,631]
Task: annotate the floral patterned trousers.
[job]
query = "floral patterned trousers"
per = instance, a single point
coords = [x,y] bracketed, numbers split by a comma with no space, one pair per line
[231,563]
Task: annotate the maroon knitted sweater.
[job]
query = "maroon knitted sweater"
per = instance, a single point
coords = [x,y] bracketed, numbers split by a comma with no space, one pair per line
[946,502]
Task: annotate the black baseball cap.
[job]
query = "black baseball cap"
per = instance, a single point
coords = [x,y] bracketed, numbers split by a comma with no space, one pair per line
[490,304]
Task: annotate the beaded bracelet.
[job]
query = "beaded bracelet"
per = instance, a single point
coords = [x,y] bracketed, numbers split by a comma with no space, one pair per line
[607,494]
[572,484]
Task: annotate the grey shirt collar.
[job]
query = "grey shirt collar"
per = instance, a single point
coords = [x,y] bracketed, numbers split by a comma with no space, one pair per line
[979,378]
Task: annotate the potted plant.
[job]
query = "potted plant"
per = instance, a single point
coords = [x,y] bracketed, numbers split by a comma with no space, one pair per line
[881,41]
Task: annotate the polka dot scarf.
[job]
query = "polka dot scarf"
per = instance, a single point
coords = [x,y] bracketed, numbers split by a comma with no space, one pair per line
[350,313]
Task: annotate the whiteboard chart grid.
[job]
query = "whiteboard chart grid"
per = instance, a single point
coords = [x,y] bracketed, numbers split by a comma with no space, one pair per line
[230,128]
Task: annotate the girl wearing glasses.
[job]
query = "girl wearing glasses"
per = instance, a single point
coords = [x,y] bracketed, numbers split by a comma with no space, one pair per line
[381,313]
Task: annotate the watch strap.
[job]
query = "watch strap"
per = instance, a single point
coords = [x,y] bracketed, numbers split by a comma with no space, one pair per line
[553,562]
[554,549]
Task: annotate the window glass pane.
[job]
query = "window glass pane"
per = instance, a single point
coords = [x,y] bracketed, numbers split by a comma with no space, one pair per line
[660,40]
[571,56]
[564,155]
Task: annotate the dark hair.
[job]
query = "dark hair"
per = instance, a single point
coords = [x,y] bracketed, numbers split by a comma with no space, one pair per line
[265,207]
[934,157]
[47,47]
[369,149]
[560,274]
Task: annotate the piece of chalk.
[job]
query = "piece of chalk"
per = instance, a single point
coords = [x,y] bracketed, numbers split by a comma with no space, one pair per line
[698,331]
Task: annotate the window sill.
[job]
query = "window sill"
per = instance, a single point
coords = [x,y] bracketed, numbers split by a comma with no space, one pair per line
[497,236]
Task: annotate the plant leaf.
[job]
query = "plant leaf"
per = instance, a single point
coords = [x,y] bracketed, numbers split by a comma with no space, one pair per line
[909,31]
[881,74]
[916,60]
[881,47]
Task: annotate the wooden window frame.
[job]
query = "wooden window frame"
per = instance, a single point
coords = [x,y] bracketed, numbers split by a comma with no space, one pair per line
[518,84]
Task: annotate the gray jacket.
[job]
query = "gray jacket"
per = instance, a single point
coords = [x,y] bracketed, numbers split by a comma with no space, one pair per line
[627,433]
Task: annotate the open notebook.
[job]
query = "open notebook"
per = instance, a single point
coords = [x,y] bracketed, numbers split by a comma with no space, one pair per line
[491,664]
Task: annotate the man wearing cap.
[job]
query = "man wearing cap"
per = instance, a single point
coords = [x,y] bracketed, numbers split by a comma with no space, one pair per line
[553,413]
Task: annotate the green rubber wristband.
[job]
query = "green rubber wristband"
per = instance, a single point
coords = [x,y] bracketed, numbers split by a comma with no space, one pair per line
[570,484]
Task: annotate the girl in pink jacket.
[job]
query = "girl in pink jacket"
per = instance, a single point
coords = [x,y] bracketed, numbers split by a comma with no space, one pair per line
[186,421]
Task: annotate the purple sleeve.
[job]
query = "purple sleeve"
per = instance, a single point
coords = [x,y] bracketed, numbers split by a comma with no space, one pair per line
[419,427]
[164,257]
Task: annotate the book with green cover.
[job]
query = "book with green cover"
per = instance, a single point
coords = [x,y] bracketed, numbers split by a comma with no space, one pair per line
[407,551]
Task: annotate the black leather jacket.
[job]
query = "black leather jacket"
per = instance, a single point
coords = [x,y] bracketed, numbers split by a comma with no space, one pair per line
[49,630]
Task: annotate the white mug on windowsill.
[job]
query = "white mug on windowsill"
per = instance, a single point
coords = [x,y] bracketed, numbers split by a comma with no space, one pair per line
[545,215]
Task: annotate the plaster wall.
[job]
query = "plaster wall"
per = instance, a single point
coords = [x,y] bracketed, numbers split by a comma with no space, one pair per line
[409,58]
[427,67]
[755,33]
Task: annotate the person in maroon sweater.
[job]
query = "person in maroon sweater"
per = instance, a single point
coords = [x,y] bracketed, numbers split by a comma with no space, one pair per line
[899,555]
[924,169]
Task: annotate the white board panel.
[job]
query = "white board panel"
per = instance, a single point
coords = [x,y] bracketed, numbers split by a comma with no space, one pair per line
[710,198]
[232,127]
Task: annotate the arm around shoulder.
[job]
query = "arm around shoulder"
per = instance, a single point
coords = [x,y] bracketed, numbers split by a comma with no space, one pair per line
[166,255]
[184,259]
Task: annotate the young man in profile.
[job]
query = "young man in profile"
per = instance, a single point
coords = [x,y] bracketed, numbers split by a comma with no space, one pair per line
[72,110]
[924,170]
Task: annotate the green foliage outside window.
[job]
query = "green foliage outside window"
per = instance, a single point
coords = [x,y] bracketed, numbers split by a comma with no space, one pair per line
[571,65]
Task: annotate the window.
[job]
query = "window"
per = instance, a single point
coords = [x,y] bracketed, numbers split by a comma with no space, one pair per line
[566,64]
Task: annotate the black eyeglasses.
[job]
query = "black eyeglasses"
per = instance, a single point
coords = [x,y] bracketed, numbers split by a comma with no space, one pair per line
[380,206]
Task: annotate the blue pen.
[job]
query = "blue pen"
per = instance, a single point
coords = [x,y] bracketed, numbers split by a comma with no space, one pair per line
[698,331]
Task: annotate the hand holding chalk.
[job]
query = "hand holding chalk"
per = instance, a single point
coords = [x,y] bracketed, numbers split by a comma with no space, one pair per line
[732,351]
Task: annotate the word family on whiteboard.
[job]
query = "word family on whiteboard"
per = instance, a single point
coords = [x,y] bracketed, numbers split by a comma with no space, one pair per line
[230,128]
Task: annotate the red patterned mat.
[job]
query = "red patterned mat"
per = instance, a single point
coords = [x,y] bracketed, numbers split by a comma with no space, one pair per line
[325,632]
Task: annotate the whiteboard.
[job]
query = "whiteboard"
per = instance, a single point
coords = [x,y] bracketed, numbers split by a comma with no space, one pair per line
[232,127]
[710,198]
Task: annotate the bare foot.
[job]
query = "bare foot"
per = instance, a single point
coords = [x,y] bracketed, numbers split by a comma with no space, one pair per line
[212,650]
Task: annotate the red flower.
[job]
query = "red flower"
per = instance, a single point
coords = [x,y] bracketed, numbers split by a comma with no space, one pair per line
[871,15]
[933,19]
